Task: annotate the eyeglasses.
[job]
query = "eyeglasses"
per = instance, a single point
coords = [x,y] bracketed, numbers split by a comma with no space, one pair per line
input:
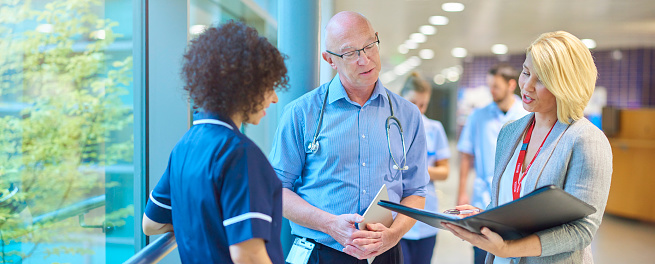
[354,55]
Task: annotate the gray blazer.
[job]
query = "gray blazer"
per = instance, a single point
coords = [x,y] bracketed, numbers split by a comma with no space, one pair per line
[576,158]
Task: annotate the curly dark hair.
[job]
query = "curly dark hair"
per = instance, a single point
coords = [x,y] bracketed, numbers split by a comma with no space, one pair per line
[229,68]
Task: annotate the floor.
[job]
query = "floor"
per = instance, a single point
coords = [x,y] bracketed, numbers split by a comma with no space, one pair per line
[618,240]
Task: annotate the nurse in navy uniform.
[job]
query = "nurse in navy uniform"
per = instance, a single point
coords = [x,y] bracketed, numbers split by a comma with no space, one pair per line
[219,194]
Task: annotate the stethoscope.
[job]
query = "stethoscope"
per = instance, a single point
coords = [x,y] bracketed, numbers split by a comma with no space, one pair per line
[313,146]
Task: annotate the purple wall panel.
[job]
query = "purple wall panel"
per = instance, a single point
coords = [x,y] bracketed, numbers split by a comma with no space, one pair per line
[627,74]
[474,70]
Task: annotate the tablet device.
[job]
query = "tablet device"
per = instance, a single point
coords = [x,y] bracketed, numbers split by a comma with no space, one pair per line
[376,213]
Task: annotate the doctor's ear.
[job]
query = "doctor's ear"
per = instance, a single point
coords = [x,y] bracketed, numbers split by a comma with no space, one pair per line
[328,59]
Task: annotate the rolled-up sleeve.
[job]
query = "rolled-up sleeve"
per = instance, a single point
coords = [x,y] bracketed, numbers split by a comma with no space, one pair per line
[288,154]
[465,143]
[159,205]
[443,150]
[417,175]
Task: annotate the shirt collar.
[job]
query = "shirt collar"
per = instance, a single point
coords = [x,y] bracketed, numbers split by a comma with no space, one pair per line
[425,118]
[337,91]
[513,108]
[198,115]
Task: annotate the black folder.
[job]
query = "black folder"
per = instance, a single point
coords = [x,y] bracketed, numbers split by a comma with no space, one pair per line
[543,208]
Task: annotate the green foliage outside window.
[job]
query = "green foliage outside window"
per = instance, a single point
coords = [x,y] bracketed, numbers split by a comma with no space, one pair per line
[68,124]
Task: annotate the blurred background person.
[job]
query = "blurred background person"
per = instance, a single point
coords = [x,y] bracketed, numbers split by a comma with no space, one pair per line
[477,142]
[418,244]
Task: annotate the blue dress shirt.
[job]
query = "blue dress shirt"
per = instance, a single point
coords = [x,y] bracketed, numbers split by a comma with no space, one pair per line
[353,161]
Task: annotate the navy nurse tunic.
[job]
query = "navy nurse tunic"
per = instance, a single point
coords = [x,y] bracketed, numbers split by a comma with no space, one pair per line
[218,190]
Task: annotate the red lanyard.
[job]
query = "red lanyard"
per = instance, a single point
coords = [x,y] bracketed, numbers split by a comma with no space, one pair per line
[516,183]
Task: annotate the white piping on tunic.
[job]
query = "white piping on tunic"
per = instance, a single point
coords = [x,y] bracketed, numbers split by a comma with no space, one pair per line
[159,203]
[247,216]
[212,121]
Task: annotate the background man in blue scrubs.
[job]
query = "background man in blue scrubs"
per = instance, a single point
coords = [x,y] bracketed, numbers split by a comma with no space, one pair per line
[219,193]
[477,142]
[326,191]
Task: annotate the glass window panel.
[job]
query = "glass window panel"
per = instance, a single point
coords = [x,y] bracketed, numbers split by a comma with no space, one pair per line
[66,173]
[260,14]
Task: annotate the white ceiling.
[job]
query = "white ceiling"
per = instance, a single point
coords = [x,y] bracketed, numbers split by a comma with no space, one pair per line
[515,23]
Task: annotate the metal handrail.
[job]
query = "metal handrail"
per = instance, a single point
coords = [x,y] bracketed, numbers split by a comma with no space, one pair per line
[152,253]
[71,210]
[155,251]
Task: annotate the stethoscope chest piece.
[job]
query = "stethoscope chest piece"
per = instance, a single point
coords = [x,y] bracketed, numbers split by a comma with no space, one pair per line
[313,147]
[395,167]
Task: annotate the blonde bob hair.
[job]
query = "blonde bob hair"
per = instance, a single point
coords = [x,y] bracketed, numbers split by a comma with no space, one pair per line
[565,66]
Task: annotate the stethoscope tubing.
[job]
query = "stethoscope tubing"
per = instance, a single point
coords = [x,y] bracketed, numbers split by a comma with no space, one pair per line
[313,146]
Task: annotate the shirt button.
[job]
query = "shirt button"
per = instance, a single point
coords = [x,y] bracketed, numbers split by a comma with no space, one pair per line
[363,136]
[364,164]
[364,191]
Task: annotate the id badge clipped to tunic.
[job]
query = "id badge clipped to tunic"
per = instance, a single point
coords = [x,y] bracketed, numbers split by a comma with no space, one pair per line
[300,251]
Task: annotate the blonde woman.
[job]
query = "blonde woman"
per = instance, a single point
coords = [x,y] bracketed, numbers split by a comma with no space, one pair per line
[563,149]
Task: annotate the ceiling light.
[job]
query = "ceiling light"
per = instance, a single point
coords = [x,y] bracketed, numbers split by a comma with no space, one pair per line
[590,43]
[197,29]
[452,76]
[452,7]
[418,37]
[499,49]
[410,44]
[438,20]
[414,61]
[45,28]
[388,77]
[617,55]
[403,49]
[439,79]
[426,54]
[458,69]
[458,52]
[401,69]
[427,30]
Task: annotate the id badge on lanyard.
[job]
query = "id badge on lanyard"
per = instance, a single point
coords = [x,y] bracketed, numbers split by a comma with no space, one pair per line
[300,251]
[518,176]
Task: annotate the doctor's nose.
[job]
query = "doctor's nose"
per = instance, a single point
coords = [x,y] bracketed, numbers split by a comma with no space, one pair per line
[363,58]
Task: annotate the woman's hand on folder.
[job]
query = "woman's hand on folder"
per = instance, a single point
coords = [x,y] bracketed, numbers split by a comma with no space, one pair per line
[493,243]
[488,240]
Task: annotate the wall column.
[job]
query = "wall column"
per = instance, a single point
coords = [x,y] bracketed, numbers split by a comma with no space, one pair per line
[298,37]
